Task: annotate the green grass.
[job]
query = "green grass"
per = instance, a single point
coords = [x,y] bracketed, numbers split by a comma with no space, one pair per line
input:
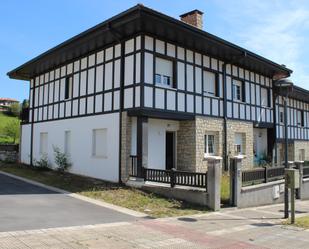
[4,120]
[131,198]
[302,222]
[225,188]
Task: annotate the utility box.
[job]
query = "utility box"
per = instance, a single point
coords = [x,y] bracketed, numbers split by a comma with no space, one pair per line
[292,178]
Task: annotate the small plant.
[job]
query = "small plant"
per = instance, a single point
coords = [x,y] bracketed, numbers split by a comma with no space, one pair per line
[61,160]
[43,163]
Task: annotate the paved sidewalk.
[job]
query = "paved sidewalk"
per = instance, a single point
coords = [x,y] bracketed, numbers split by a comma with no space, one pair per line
[231,228]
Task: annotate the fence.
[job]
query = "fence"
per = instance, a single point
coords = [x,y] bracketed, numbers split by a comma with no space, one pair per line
[262,175]
[172,177]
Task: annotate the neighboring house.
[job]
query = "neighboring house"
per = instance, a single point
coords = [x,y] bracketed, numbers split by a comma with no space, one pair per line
[147,89]
[6,102]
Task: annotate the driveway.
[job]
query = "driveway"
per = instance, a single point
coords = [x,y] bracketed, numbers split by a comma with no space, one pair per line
[24,206]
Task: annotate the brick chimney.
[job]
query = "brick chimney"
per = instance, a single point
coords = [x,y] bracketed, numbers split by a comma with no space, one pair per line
[194,18]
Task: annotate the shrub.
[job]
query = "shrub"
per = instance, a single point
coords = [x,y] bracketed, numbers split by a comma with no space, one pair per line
[42,164]
[61,160]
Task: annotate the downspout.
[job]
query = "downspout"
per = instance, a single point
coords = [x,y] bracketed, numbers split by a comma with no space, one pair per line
[225,116]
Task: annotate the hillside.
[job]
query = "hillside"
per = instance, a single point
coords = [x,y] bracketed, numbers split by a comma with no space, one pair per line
[4,120]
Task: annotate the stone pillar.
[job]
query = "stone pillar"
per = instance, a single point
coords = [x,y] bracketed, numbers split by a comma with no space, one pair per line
[300,166]
[214,182]
[235,180]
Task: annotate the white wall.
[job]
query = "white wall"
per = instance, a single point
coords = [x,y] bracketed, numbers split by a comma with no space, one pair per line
[83,162]
[25,143]
[156,141]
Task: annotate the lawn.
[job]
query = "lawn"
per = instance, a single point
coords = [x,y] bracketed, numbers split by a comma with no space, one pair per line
[4,120]
[302,222]
[153,205]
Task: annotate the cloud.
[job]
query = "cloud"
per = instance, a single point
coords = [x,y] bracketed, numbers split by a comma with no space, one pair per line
[277,30]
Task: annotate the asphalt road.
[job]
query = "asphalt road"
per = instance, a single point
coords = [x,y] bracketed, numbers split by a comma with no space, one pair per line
[24,206]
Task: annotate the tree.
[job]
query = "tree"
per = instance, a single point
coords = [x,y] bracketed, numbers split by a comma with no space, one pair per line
[25,103]
[11,129]
[15,109]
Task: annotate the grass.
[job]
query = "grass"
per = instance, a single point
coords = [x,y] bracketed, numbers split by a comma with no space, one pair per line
[302,222]
[131,198]
[225,188]
[4,119]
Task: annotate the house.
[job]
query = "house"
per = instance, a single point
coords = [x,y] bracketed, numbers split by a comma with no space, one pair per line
[143,89]
[5,103]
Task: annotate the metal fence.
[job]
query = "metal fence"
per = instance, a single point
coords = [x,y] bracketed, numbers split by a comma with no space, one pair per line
[262,175]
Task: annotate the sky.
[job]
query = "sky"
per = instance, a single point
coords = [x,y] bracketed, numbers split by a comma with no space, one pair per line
[277,29]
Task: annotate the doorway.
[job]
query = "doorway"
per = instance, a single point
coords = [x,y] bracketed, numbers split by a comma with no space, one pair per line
[169,150]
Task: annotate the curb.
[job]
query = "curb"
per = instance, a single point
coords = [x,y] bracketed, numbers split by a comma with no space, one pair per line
[80,197]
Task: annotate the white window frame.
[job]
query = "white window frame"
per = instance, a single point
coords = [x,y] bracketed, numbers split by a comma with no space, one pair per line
[281,117]
[300,118]
[238,148]
[70,85]
[43,150]
[265,104]
[206,144]
[237,84]
[205,83]
[162,79]
[104,151]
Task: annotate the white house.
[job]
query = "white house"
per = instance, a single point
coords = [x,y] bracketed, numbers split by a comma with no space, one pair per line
[143,89]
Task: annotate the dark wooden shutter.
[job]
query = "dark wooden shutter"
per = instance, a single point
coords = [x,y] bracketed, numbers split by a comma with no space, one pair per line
[217,86]
[243,89]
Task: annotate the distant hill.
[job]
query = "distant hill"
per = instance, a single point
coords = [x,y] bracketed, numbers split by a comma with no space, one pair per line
[4,120]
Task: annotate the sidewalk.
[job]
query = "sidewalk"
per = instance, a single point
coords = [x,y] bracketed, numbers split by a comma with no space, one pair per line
[231,228]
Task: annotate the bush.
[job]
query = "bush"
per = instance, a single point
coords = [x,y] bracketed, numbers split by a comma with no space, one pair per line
[61,160]
[42,164]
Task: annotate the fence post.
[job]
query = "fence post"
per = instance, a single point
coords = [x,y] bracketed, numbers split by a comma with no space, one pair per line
[214,182]
[266,174]
[300,166]
[173,171]
[235,180]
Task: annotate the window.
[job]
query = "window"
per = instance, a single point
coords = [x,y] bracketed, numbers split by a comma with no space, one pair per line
[281,117]
[300,118]
[301,155]
[210,83]
[43,143]
[209,144]
[164,72]
[238,90]
[238,146]
[99,143]
[68,87]
[264,97]
[67,143]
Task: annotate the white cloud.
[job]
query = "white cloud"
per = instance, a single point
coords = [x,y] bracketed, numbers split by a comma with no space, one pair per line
[276,30]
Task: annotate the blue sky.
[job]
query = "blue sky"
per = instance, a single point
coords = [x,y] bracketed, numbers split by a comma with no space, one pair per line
[277,30]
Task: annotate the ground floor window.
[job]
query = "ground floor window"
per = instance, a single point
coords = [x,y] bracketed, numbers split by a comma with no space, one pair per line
[209,144]
[238,145]
[43,143]
[99,142]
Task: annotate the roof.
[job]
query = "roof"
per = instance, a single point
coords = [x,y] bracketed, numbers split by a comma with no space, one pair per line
[8,99]
[142,19]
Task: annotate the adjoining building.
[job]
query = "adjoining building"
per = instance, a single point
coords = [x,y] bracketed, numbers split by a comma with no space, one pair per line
[146,89]
[5,103]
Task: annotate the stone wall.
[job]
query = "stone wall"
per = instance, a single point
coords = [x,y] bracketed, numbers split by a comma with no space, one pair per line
[281,152]
[9,153]
[301,145]
[126,129]
[245,128]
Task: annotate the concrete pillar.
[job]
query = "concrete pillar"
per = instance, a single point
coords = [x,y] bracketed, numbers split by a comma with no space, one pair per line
[214,182]
[300,166]
[235,180]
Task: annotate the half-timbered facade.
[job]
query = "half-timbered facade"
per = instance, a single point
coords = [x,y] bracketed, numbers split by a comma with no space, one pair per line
[147,89]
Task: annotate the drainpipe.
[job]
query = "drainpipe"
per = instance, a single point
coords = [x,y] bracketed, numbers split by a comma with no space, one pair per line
[226,164]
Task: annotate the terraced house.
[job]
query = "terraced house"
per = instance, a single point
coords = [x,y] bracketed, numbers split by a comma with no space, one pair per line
[143,89]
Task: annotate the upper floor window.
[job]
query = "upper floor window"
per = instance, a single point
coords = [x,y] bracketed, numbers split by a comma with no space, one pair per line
[238,90]
[265,97]
[300,118]
[210,83]
[68,87]
[281,117]
[164,72]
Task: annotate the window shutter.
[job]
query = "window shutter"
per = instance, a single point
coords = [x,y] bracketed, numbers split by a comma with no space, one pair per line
[243,91]
[217,86]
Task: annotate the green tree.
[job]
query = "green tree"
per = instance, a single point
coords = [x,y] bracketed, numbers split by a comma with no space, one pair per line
[25,103]
[15,109]
[12,129]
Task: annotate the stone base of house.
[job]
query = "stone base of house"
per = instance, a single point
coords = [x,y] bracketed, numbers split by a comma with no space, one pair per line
[297,151]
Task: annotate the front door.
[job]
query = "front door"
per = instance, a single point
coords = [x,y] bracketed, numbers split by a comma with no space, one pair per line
[169,150]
